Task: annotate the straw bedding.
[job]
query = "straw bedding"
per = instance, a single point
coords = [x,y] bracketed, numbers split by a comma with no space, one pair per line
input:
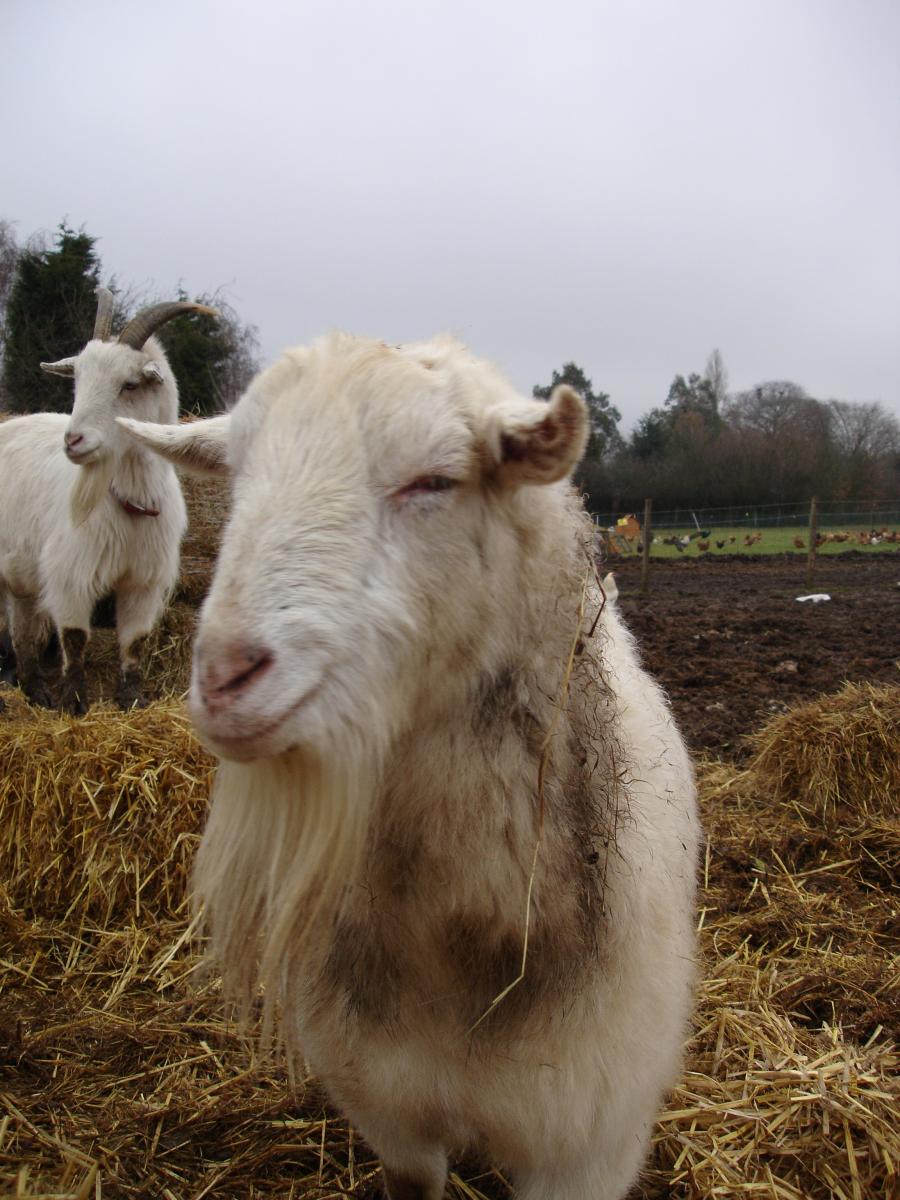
[118,1078]
[839,756]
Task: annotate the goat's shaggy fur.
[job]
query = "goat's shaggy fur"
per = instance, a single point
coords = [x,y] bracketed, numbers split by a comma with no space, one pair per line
[430,750]
[66,535]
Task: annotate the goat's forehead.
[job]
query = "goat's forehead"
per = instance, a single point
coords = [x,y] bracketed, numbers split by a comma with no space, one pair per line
[389,394]
[108,358]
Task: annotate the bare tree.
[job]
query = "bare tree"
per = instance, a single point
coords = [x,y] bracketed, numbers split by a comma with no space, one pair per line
[772,408]
[9,257]
[717,378]
[867,440]
[864,429]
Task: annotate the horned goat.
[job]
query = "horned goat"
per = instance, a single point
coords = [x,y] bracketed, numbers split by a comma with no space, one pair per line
[453,833]
[85,510]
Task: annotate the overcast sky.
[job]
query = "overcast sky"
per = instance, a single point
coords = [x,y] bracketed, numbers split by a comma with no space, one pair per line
[627,185]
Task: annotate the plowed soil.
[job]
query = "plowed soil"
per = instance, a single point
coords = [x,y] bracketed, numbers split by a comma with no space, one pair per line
[731,644]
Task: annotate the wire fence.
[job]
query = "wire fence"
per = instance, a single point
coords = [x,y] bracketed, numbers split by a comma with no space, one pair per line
[833,514]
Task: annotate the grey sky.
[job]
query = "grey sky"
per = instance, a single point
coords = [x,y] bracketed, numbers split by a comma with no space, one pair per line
[623,184]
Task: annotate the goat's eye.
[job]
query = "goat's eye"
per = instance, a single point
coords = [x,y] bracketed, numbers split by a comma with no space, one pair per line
[427,485]
[130,386]
[433,483]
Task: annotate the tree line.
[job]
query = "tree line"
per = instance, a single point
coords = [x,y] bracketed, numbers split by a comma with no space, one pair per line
[707,447]
[47,310]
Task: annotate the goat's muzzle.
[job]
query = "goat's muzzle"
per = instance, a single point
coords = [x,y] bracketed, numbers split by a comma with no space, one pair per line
[229,673]
[76,448]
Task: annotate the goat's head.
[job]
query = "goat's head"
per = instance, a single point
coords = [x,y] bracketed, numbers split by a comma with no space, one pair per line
[380,519]
[126,377]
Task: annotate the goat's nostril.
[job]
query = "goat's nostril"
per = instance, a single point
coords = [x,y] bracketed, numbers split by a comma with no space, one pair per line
[72,439]
[253,665]
[231,671]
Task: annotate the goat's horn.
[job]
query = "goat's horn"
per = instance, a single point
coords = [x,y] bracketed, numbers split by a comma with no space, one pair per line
[64,367]
[103,320]
[146,322]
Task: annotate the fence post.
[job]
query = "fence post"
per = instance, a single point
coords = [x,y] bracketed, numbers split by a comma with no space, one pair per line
[645,560]
[813,532]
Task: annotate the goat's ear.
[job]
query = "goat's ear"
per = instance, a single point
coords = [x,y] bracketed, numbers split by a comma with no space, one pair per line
[152,373]
[64,367]
[536,442]
[200,447]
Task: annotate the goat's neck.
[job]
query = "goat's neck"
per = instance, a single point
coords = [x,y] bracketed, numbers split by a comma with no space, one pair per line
[503,739]
[142,478]
[504,762]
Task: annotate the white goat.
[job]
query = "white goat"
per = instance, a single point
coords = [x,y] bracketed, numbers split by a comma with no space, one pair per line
[454,833]
[85,510]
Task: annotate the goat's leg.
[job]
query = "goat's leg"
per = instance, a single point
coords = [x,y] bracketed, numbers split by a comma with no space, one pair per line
[73,696]
[416,1182]
[70,607]
[137,611]
[607,1173]
[27,628]
[7,658]
[413,1168]
[7,655]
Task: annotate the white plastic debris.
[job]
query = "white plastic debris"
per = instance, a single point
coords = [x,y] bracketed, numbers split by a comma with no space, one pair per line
[816,598]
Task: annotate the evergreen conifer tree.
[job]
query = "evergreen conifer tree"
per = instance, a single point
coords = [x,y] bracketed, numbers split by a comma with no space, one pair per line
[50,315]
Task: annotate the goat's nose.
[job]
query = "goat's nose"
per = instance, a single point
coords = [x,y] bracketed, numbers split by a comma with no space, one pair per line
[72,439]
[226,672]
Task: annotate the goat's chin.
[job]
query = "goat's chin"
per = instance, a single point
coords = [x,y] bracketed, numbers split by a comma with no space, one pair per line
[90,487]
[247,749]
[241,740]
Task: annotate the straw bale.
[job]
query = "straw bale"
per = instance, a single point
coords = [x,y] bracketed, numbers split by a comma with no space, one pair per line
[120,1078]
[100,816]
[836,752]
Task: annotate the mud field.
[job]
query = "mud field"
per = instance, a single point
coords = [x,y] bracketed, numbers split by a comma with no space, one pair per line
[731,645]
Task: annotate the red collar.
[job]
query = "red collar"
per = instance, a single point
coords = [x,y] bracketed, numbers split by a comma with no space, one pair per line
[136,510]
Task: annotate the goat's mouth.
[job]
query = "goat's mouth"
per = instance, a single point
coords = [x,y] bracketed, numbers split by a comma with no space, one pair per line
[82,457]
[229,737]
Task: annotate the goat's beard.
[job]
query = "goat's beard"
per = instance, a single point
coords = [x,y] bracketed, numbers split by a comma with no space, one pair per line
[283,846]
[90,487]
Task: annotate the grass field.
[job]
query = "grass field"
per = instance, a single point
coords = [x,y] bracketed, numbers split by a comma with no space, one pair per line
[773,541]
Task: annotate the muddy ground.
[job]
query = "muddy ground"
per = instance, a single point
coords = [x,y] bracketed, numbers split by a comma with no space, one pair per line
[731,645]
